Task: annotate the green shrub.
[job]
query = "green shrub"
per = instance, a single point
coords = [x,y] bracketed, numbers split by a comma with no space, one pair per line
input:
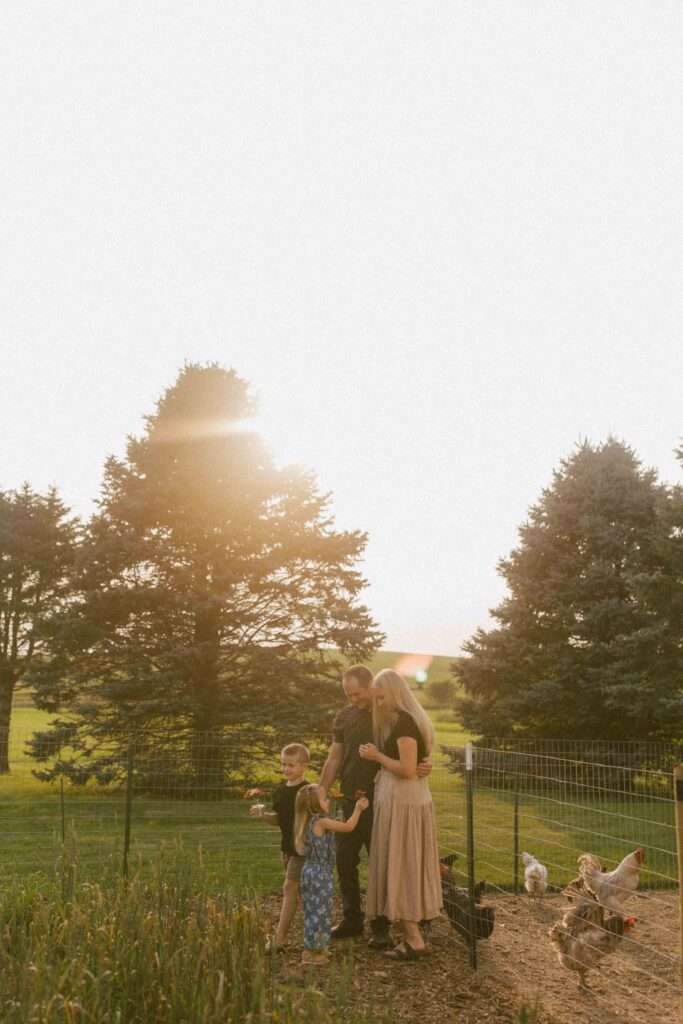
[442,691]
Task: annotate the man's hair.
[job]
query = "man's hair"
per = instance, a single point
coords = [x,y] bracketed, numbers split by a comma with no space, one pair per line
[360,673]
[296,750]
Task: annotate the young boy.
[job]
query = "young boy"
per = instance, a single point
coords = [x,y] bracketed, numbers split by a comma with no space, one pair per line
[294,761]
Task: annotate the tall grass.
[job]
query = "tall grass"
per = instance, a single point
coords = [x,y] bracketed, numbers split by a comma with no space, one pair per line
[168,949]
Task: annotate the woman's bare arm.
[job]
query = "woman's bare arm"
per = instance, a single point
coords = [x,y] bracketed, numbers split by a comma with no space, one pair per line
[405,767]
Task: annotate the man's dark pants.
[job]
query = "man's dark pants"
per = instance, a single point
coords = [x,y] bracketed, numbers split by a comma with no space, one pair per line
[349,845]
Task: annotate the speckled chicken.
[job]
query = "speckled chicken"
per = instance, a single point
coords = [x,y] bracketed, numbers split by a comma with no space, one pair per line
[585,935]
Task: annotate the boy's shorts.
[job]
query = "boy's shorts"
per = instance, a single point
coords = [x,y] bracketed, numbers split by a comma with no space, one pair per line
[293,864]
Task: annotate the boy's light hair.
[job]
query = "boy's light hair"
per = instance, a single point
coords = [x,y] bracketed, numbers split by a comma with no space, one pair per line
[307,804]
[400,698]
[296,750]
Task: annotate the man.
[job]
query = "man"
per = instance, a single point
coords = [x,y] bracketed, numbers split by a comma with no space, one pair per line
[353,726]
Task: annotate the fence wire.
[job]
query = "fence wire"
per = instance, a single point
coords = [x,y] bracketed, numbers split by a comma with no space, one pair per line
[556,808]
[191,798]
[537,798]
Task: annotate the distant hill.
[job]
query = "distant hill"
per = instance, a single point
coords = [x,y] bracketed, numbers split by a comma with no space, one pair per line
[437,666]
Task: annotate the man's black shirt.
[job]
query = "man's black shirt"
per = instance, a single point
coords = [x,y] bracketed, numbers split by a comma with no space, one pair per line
[352,727]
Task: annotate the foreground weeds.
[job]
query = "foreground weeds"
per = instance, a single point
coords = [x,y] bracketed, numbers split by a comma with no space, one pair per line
[149,950]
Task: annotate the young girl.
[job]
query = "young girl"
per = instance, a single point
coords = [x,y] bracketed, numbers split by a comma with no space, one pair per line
[313,838]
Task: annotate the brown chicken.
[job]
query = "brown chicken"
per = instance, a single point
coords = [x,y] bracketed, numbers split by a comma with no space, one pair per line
[585,936]
[612,888]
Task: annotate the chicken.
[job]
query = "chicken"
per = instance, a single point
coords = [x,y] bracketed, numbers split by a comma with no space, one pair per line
[612,888]
[575,889]
[535,876]
[456,903]
[585,936]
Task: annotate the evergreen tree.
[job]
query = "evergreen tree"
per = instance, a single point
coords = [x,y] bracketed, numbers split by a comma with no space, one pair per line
[212,590]
[37,543]
[558,663]
[654,654]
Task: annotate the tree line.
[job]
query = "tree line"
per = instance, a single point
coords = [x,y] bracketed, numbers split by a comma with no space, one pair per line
[210,595]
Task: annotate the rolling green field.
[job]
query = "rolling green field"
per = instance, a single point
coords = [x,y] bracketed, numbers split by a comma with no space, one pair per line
[232,847]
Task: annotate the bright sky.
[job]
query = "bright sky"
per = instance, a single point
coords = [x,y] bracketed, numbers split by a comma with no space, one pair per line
[442,240]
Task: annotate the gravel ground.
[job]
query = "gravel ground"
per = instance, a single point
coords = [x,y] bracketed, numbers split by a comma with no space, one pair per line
[637,983]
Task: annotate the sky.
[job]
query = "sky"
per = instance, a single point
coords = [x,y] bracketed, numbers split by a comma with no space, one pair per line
[442,241]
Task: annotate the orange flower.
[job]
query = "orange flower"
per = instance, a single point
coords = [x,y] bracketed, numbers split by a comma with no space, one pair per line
[360,793]
[251,793]
[336,794]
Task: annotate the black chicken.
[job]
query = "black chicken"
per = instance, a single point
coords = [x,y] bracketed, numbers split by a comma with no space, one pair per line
[456,904]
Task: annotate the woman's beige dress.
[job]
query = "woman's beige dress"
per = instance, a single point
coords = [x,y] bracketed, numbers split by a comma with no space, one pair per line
[404,882]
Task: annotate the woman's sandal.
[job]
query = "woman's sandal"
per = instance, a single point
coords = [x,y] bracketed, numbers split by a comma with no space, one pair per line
[409,953]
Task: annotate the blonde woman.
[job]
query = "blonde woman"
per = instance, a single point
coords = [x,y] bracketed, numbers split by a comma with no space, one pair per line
[403,873]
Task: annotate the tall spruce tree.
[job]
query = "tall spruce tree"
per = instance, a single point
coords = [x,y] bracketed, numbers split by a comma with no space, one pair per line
[37,544]
[654,654]
[559,665]
[213,589]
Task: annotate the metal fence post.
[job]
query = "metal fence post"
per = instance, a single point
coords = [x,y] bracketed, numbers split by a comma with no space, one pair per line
[129,809]
[470,857]
[516,838]
[61,780]
[678,793]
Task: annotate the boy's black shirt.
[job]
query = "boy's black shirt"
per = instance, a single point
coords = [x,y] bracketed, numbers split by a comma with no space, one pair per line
[283,805]
[352,727]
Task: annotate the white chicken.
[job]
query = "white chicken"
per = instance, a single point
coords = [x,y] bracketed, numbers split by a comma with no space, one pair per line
[612,888]
[535,876]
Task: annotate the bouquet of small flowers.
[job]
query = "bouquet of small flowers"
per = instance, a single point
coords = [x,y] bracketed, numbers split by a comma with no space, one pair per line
[257,809]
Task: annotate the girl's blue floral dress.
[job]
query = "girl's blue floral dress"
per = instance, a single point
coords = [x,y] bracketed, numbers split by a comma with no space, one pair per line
[316,887]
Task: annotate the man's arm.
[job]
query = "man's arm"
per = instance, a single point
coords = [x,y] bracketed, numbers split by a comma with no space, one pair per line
[332,765]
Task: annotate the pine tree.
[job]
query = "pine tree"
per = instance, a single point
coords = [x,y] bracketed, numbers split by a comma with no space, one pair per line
[557,665]
[37,543]
[213,588]
[654,654]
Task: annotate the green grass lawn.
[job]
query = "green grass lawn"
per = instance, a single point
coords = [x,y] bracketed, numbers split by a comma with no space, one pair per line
[232,846]
[555,829]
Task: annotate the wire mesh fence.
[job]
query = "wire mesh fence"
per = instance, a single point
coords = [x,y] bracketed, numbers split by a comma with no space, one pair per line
[536,799]
[556,808]
[189,795]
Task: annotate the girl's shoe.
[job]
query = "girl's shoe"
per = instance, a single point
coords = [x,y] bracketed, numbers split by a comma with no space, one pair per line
[315,956]
[271,945]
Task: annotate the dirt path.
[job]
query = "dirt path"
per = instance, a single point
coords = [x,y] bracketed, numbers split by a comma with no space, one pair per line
[638,983]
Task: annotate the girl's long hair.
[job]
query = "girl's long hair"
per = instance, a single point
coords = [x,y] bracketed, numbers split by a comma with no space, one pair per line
[306,805]
[398,697]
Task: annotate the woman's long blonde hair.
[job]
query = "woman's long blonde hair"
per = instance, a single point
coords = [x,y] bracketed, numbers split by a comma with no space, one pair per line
[306,805]
[397,697]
